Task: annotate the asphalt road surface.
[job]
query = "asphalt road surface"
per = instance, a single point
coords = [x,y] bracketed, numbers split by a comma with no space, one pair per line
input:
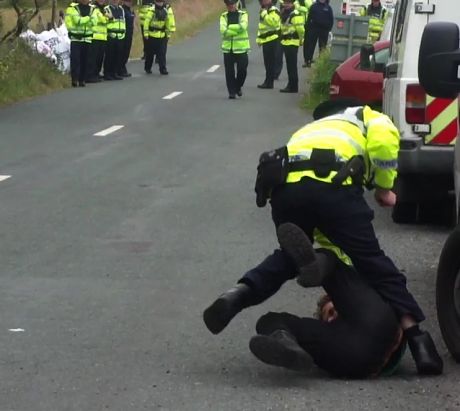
[113,244]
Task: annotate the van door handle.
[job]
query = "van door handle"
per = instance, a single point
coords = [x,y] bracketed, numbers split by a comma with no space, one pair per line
[391,70]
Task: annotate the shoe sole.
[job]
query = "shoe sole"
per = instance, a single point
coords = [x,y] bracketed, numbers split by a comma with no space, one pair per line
[215,317]
[273,352]
[297,245]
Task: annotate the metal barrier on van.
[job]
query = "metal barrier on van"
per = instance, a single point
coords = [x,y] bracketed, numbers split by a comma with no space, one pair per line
[349,34]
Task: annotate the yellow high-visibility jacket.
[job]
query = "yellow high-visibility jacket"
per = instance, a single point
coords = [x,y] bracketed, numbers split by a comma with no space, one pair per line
[269,25]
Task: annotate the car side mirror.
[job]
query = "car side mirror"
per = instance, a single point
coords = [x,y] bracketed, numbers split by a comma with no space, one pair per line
[439,60]
[367,57]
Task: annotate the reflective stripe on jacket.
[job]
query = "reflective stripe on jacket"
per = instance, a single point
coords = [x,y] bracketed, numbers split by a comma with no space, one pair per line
[116,26]
[269,25]
[303,6]
[78,27]
[377,18]
[293,30]
[159,23]
[235,37]
[100,21]
[375,138]
[143,10]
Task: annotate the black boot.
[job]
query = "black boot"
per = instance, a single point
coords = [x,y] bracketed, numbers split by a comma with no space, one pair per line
[265,85]
[425,355]
[220,312]
[289,89]
[295,243]
[281,349]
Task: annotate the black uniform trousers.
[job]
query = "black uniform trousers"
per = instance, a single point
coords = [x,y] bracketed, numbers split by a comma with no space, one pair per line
[95,59]
[235,82]
[278,59]
[113,54]
[155,47]
[356,343]
[314,35]
[78,60]
[343,216]
[126,51]
[290,52]
[269,50]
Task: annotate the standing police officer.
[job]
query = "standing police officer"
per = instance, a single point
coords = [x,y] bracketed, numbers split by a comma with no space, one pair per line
[378,15]
[235,46]
[98,44]
[128,40]
[143,10]
[268,37]
[79,25]
[292,34]
[315,182]
[158,25]
[116,30]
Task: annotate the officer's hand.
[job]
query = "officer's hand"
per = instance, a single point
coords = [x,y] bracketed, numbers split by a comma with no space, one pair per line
[385,198]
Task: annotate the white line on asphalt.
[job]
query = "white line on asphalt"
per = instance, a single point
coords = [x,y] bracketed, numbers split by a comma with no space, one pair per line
[172,95]
[16,330]
[4,178]
[212,69]
[108,131]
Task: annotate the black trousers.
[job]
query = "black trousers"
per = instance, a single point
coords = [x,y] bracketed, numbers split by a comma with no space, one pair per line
[144,41]
[113,55]
[314,35]
[155,47]
[78,60]
[343,216]
[290,53]
[278,59]
[269,52]
[235,82]
[355,344]
[126,51]
[95,58]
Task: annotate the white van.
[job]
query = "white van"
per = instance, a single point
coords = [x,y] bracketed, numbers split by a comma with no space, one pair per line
[428,126]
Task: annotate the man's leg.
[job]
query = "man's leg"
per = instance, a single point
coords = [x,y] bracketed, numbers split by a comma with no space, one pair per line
[74,62]
[278,59]
[229,63]
[161,55]
[241,71]
[291,64]
[323,36]
[312,38]
[269,53]
[149,52]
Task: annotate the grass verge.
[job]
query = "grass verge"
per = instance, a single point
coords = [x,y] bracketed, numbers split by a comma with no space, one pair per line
[25,73]
[319,81]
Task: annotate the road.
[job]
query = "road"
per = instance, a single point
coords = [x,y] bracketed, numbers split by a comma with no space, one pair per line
[113,245]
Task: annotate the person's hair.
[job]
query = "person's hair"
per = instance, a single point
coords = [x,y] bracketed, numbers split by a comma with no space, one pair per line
[322,301]
[331,107]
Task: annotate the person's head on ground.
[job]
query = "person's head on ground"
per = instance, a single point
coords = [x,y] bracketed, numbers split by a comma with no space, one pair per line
[331,107]
[231,5]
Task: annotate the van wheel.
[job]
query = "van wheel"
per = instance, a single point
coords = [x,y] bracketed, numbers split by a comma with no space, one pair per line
[404,213]
[448,293]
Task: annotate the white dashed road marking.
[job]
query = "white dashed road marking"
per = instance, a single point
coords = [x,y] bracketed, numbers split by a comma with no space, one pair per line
[108,131]
[16,330]
[212,69]
[2,178]
[172,95]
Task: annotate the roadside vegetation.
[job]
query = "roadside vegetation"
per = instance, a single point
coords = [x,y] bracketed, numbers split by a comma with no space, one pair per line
[24,73]
[319,80]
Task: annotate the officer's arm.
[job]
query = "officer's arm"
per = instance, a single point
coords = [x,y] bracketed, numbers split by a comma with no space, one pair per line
[299,7]
[243,26]
[170,21]
[272,18]
[383,148]
[148,18]
[78,20]
[300,27]
[225,28]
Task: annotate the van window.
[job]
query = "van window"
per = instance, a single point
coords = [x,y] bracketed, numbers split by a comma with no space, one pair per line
[399,26]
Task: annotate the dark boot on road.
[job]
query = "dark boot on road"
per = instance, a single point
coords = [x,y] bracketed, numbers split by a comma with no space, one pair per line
[296,244]
[281,349]
[425,355]
[265,85]
[220,312]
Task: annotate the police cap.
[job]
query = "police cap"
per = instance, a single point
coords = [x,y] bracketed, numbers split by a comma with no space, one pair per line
[331,107]
[230,2]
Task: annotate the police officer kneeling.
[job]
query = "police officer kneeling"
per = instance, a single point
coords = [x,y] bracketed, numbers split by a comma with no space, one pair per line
[316,182]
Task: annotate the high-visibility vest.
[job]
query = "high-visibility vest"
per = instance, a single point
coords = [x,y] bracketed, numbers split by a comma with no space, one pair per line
[143,10]
[293,29]
[116,27]
[359,131]
[377,20]
[303,6]
[100,21]
[269,25]
[159,23]
[78,27]
[235,37]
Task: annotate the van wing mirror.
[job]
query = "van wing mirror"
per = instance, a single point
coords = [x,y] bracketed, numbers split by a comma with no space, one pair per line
[367,57]
[439,60]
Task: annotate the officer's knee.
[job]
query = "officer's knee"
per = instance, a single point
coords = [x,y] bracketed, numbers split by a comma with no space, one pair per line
[270,322]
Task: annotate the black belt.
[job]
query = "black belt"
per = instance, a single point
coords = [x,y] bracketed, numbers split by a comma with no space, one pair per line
[290,36]
[306,165]
[270,33]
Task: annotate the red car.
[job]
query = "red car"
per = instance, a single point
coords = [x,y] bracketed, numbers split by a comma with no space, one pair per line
[350,81]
